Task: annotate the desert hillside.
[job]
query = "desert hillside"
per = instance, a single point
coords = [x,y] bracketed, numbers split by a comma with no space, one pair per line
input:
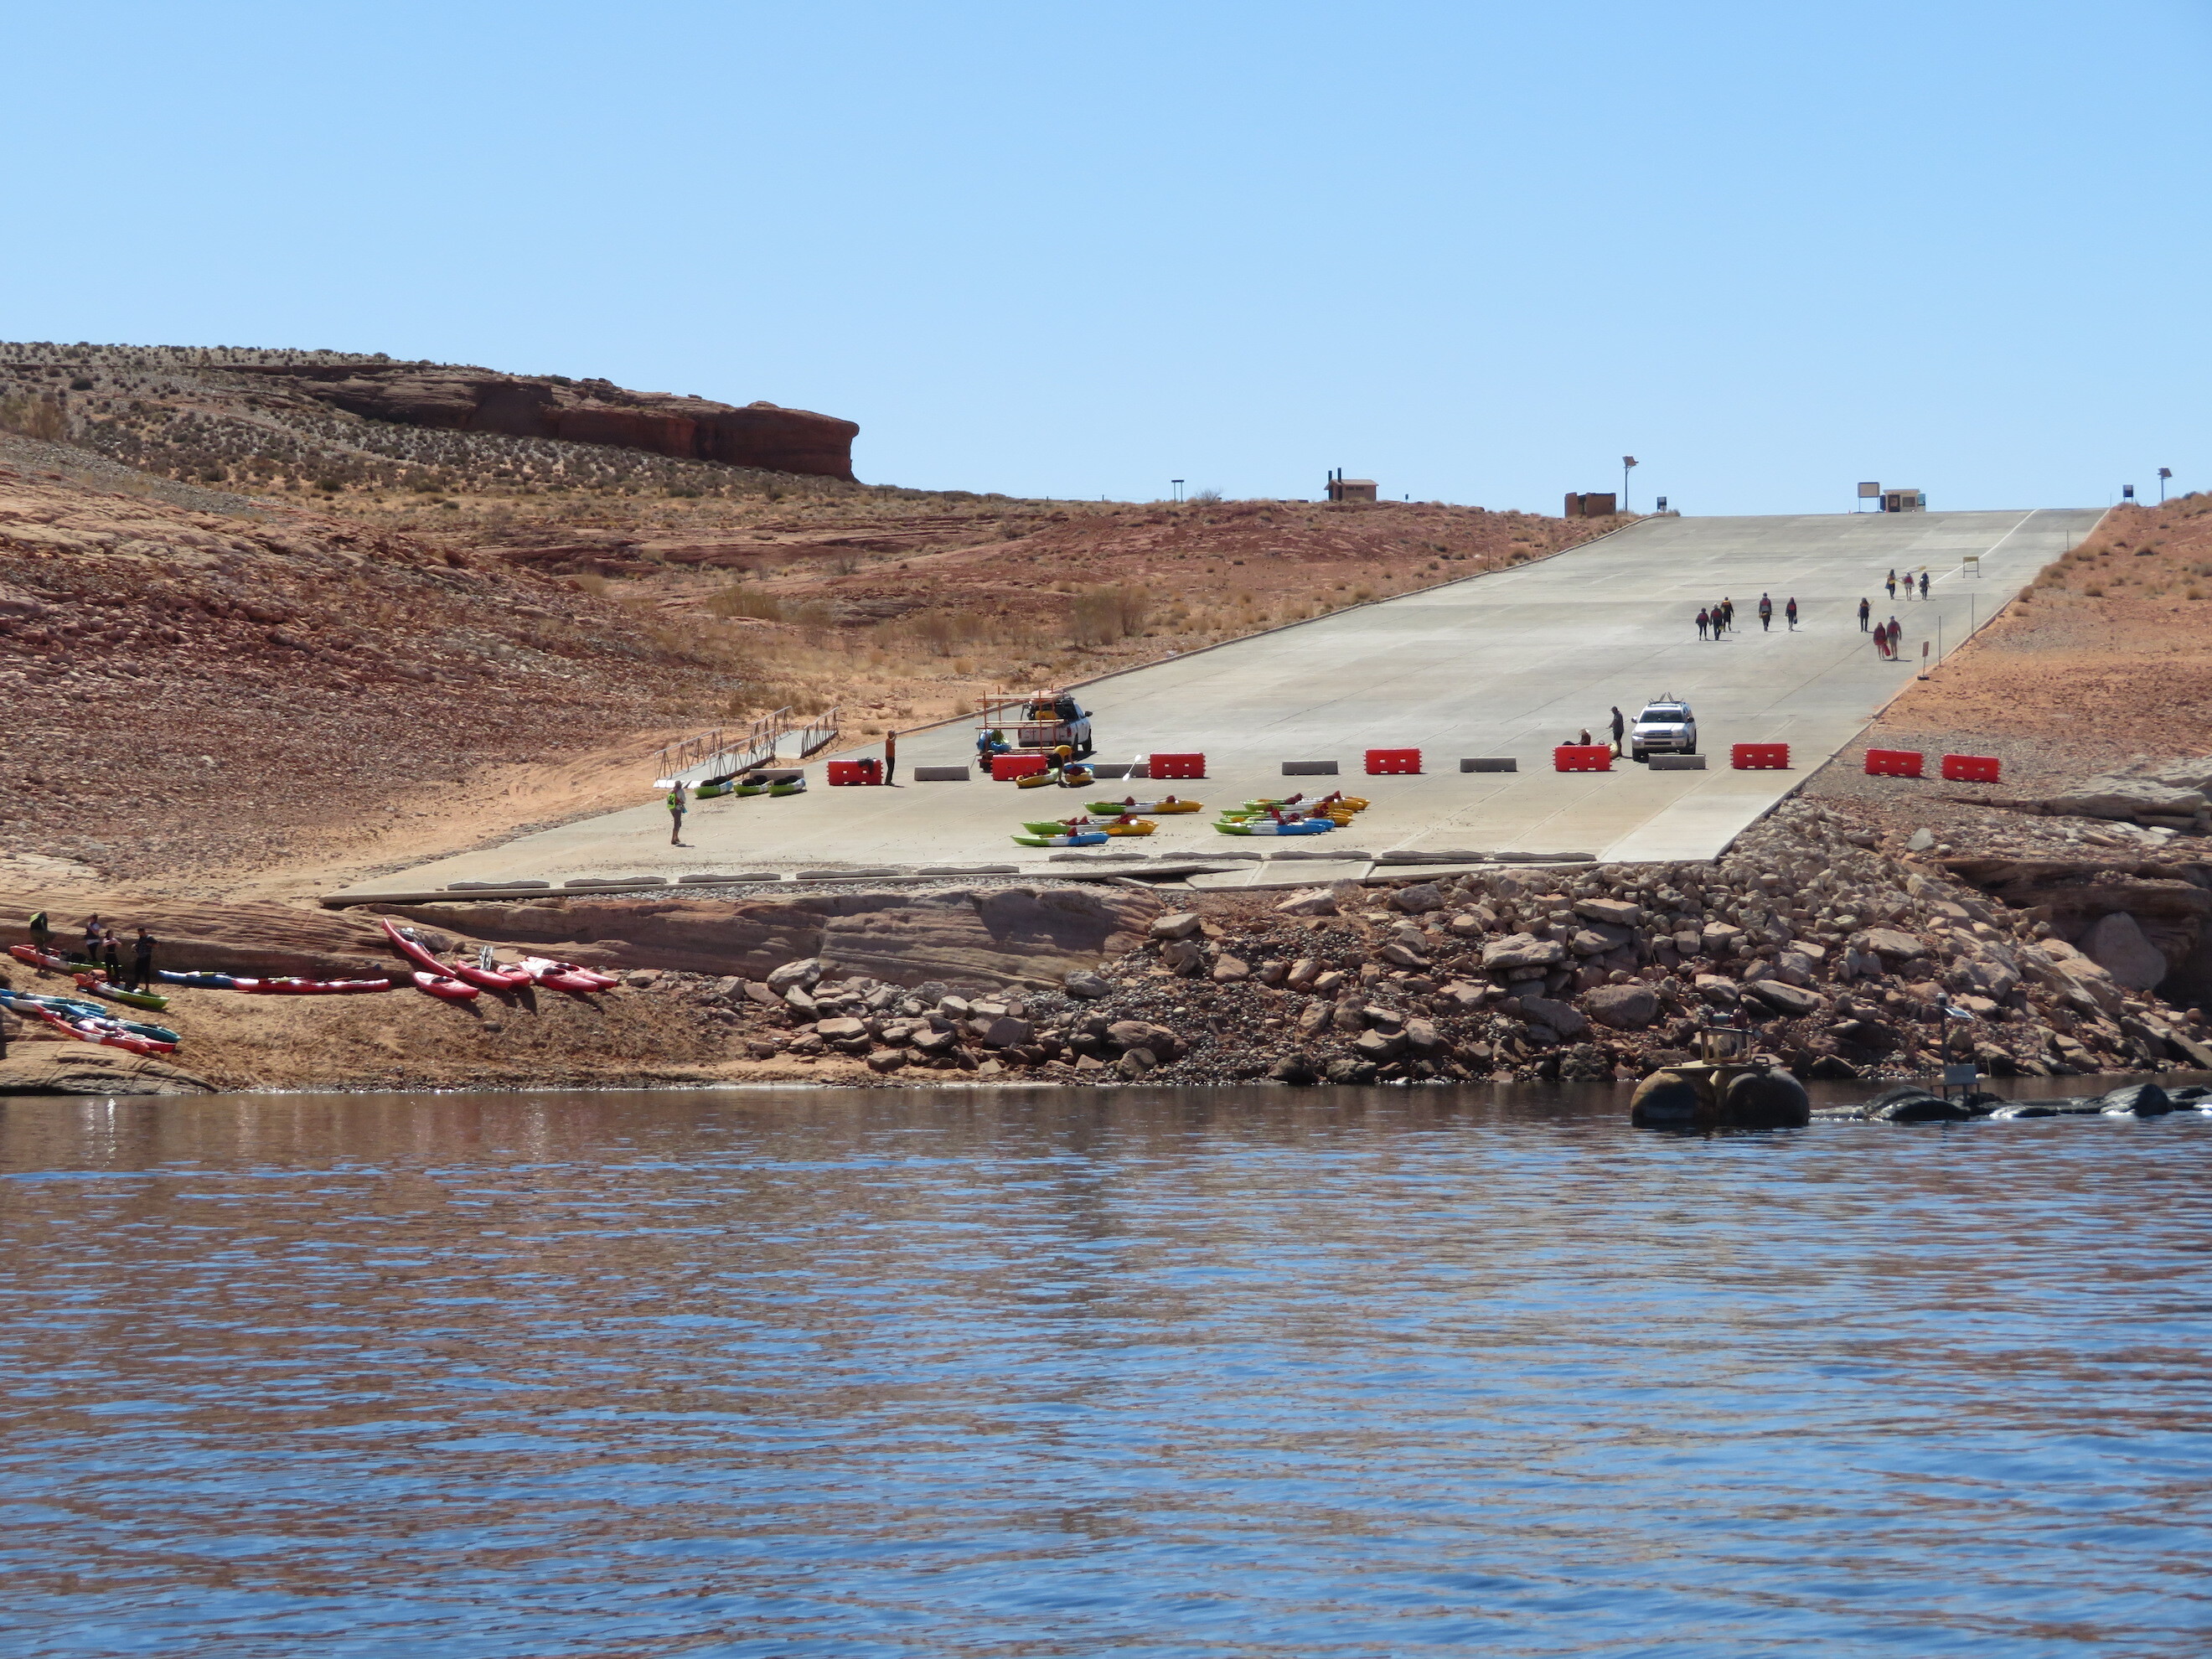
[259,630]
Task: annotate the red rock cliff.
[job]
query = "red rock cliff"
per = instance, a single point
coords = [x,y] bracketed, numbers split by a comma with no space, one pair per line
[586,411]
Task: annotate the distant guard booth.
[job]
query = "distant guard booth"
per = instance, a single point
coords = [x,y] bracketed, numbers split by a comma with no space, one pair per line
[1903,500]
[1341,489]
[1591,505]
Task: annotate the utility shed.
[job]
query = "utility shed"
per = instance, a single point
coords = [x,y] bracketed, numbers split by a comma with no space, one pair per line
[1352,489]
[1903,500]
[1591,505]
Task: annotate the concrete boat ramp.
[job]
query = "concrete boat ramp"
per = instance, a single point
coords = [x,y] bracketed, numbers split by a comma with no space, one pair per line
[1503,665]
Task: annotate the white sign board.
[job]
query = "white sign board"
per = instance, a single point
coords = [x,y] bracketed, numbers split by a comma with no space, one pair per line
[1869,491]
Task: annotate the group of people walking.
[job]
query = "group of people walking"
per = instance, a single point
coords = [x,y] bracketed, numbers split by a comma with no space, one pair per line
[1714,620]
[1886,634]
[103,949]
[1891,584]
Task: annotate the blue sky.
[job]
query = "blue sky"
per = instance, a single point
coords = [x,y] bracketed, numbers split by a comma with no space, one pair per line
[1474,252]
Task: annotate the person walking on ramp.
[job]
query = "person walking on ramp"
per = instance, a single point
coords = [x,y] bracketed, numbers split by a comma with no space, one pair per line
[1766,613]
[1866,610]
[1620,728]
[1705,621]
[677,800]
[1789,611]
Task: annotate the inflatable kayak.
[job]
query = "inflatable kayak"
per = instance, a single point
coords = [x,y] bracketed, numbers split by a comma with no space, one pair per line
[1132,807]
[1087,838]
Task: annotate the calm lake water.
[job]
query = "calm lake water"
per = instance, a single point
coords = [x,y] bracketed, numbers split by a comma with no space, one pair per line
[1197,1372]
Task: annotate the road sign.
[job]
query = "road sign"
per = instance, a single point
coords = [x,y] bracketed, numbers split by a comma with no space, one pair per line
[1869,491]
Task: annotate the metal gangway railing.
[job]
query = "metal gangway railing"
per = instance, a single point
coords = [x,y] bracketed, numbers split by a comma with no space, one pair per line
[819,731]
[721,754]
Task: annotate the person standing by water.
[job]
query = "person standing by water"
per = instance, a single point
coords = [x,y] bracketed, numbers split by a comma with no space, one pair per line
[1866,610]
[112,960]
[94,931]
[1790,612]
[891,757]
[142,961]
[677,798]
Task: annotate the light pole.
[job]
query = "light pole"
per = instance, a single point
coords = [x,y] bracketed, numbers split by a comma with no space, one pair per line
[2164,473]
[1627,462]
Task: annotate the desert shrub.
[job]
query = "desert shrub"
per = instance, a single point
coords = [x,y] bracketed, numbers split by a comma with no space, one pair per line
[35,417]
[1099,616]
[740,600]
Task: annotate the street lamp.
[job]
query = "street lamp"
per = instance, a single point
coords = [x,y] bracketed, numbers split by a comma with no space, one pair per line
[2164,473]
[1627,462]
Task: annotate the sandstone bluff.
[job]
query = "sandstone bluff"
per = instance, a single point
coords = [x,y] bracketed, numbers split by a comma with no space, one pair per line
[459,398]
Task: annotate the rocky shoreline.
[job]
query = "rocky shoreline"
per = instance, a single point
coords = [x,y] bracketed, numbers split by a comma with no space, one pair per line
[1841,960]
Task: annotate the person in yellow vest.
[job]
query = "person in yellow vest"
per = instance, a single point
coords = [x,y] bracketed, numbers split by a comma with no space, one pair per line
[676,805]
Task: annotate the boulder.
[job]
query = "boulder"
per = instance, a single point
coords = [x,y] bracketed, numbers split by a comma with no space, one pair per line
[1085,986]
[1424,1039]
[1347,1070]
[1623,1007]
[1419,899]
[2117,944]
[1142,1034]
[1561,1017]
[1521,950]
[1719,937]
[1400,955]
[1135,1062]
[888,1060]
[1717,989]
[1005,1032]
[2127,798]
[1230,970]
[1313,902]
[1179,924]
[1296,1068]
[1589,942]
[1894,948]
[1379,1046]
[1614,912]
[2136,1100]
[805,973]
[840,1029]
[1790,1001]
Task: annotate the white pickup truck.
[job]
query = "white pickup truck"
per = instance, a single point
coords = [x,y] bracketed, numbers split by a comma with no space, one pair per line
[1665,728]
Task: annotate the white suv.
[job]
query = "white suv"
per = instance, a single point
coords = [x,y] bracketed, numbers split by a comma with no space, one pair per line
[1665,728]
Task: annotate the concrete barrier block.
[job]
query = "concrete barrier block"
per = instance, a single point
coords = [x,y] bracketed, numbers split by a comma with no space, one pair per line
[1675,762]
[728,881]
[589,882]
[943,774]
[1491,764]
[1309,768]
[849,875]
[1109,769]
[491,886]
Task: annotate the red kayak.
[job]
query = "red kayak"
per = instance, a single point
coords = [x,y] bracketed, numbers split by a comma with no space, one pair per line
[286,986]
[566,975]
[38,958]
[445,986]
[404,941]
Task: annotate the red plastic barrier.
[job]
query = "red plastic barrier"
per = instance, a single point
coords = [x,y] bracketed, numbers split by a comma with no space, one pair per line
[842,773]
[1582,758]
[1383,761]
[1971,768]
[1178,766]
[1894,763]
[1005,768]
[1759,757]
